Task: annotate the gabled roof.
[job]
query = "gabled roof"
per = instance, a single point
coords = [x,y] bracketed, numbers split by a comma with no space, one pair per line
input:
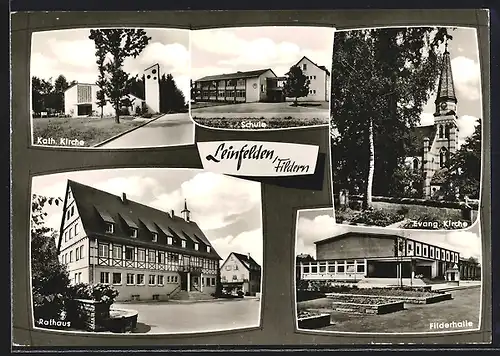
[236,75]
[93,204]
[417,136]
[79,83]
[246,260]
[320,67]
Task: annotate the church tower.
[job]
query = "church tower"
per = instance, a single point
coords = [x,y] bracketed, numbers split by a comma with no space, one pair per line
[437,151]
[152,88]
[185,212]
[445,117]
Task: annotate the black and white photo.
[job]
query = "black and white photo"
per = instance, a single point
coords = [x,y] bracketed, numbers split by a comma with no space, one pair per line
[110,88]
[406,127]
[353,279]
[145,251]
[261,77]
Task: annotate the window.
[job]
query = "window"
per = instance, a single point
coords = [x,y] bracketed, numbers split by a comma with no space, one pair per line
[76,278]
[314,77]
[168,279]
[151,256]
[175,279]
[361,268]
[70,233]
[262,88]
[447,255]
[104,277]
[130,278]
[140,279]
[169,240]
[331,269]
[443,156]
[70,256]
[441,131]
[208,248]
[129,253]
[437,253]
[196,246]
[314,269]
[117,252]
[79,277]
[417,249]
[117,278]
[81,251]
[66,236]
[415,163]
[235,267]
[410,248]
[110,228]
[183,243]
[431,252]
[155,237]
[341,268]
[76,229]
[424,251]
[152,279]
[141,255]
[213,281]
[160,280]
[132,232]
[235,277]
[161,257]
[304,66]
[103,250]
[77,254]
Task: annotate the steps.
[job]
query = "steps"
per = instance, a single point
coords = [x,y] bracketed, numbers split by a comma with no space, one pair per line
[193,295]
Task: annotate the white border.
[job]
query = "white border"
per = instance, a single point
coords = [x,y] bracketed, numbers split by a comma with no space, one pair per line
[417,333]
[132,334]
[481,176]
[278,128]
[113,149]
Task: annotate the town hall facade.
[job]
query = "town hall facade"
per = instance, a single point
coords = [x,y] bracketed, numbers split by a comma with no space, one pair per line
[143,252]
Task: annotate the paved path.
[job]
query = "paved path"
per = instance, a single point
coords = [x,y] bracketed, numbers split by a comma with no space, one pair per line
[165,317]
[169,129]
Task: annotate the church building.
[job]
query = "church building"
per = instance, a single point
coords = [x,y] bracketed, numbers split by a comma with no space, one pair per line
[143,252]
[434,144]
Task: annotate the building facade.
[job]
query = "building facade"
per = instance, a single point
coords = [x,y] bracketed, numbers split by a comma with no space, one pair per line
[80,99]
[434,144]
[354,256]
[241,273]
[260,85]
[143,252]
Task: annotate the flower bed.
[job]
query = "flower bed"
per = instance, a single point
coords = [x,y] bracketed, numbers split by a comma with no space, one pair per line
[388,296]
[392,292]
[366,305]
[312,320]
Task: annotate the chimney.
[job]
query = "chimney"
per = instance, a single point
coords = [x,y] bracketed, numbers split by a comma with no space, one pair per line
[124,198]
[248,255]
[172,213]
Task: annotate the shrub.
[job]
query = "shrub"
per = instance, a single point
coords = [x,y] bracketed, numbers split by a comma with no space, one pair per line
[403,210]
[98,292]
[377,217]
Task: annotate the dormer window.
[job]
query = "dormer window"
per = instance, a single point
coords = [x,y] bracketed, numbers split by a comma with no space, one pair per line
[208,248]
[169,240]
[196,246]
[155,237]
[183,243]
[132,232]
[110,228]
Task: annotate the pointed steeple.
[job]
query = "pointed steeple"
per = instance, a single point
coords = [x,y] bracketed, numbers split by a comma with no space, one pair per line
[185,212]
[446,88]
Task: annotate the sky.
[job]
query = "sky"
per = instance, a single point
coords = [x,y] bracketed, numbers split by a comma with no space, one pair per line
[227,209]
[72,53]
[228,50]
[319,224]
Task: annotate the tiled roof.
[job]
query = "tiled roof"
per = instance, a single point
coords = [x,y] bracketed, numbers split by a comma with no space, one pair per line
[446,89]
[320,67]
[236,75]
[94,206]
[247,261]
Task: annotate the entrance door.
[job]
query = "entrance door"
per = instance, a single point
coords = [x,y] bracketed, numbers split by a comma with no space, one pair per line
[84,109]
[183,280]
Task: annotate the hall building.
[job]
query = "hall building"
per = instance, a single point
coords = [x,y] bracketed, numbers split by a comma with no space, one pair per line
[240,272]
[261,85]
[143,252]
[434,144]
[354,256]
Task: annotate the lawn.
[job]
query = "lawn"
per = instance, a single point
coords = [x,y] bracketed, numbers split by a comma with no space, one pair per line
[87,129]
[375,217]
[415,318]
[259,107]
[259,123]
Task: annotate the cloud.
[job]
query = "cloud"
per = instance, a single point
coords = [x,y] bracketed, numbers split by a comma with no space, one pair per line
[312,230]
[215,200]
[77,53]
[466,125]
[466,77]
[245,242]
[426,119]
[134,186]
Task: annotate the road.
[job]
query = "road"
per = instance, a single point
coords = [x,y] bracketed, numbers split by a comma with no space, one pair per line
[168,317]
[168,130]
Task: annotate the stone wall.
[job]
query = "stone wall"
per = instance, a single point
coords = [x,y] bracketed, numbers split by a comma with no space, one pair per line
[90,314]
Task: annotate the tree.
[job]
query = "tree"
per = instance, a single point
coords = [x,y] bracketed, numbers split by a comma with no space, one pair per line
[463,170]
[171,97]
[383,78]
[119,44]
[296,85]
[50,278]
[60,86]
[40,89]
[101,82]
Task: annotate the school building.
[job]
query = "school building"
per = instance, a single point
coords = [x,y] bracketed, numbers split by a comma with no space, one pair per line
[261,85]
